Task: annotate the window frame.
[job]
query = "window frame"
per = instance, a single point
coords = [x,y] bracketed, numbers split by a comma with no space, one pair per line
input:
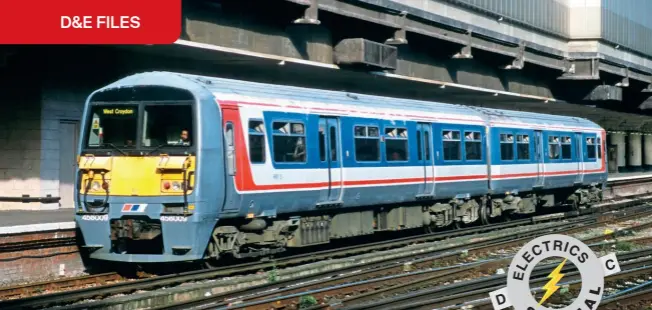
[561,147]
[304,135]
[139,147]
[501,142]
[406,139]
[479,132]
[459,146]
[529,146]
[558,143]
[355,137]
[141,124]
[263,134]
[592,144]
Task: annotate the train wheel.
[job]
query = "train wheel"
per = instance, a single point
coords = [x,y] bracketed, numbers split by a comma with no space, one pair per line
[212,256]
[484,215]
[575,206]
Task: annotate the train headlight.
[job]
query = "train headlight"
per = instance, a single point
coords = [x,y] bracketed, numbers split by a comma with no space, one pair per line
[172,186]
[99,186]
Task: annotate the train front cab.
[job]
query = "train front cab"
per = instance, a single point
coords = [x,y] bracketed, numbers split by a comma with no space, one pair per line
[138,184]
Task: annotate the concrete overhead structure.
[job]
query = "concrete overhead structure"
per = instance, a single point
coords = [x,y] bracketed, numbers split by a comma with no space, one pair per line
[597,50]
[525,55]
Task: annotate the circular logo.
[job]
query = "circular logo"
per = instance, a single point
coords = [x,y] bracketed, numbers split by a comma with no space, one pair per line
[568,248]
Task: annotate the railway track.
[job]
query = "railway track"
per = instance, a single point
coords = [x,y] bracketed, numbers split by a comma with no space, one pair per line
[637,298]
[66,297]
[635,271]
[25,291]
[636,264]
[19,291]
[381,278]
[36,244]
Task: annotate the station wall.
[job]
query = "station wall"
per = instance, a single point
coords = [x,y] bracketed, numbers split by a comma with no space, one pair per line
[37,148]
[20,147]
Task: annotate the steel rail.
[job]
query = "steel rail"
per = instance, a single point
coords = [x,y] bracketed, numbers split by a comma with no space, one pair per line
[23,290]
[459,293]
[173,279]
[65,297]
[286,292]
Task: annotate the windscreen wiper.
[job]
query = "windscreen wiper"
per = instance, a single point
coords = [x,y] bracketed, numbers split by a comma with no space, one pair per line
[116,148]
[158,147]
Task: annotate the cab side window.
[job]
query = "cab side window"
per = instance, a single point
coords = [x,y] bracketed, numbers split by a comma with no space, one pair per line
[256,141]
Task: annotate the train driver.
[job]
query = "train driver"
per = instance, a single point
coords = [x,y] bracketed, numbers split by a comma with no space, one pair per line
[184,138]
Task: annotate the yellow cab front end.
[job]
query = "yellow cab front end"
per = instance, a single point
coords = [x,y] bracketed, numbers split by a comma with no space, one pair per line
[135,197]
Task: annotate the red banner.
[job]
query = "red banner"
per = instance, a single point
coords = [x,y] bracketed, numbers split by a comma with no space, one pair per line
[90,22]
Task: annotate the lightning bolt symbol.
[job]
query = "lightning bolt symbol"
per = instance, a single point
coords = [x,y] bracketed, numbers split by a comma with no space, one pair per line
[551,287]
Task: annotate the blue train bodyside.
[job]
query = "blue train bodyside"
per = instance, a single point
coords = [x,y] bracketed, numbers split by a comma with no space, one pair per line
[359,151]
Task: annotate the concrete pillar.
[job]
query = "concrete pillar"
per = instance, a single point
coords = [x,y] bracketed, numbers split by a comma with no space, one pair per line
[618,139]
[647,151]
[308,42]
[634,152]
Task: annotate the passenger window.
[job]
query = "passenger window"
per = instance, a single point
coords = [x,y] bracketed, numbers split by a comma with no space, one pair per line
[396,144]
[333,140]
[426,140]
[599,147]
[553,147]
[256,141]
[566,148]
[230,149]
[523,147]
[419,154]
[506,146]
[452,144]
[322,142]
[590,148]
[472,145]
[289,140]
[367,143]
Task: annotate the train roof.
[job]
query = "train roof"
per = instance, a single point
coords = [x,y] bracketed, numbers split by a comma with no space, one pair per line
[224,89]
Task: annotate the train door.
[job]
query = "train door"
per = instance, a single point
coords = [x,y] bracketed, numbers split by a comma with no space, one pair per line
[538,158]
[330,154]
[424,156]
[231,131]
[580,158]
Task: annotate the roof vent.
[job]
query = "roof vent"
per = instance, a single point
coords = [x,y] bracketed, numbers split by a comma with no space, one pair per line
[359,51]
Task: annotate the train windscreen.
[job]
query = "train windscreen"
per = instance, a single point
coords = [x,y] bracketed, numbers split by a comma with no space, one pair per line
[140,128]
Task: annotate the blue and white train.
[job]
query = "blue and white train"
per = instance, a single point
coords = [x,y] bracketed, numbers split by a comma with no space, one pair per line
[178,167]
